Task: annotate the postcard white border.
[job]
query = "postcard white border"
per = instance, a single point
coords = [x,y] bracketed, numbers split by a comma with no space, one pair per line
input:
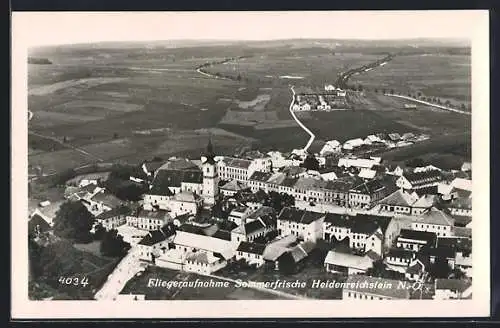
[22,308]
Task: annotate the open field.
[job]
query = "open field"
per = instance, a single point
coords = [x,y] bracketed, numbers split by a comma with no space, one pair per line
[434,75]
[140,100]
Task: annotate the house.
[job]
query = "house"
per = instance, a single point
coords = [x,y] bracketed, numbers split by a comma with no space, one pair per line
[424,203]
[303,224]
[232,187]
[148,219]
[412,181]
[460,207]
[464,263]
[251,253]
[38,224]
[395,170]
[367,193]
[362,232]
[203,262]
[337,192]
[435,221]
[113,218]
[300,252]
[414,240]
[189,242]
[426,169]
[238,214]
[416,270]
[240,169]
[251,230]
[331,146]
[439,254]
[353,143]
[360,287]
[347,263]
[155,243]
[150,167]
[368,174]
[399,202]
[177,175]
[276,248]
[398,259]
[394,137]
[466,167]
[446,289]
[184,202]
[359,163]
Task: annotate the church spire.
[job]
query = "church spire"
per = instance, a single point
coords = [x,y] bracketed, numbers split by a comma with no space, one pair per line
[210,151]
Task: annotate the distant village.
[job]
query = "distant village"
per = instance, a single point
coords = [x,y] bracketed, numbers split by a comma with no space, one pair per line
[370,219]
[332,98]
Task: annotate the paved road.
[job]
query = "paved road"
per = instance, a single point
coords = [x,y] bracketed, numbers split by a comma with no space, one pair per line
[430,104]
[311,139]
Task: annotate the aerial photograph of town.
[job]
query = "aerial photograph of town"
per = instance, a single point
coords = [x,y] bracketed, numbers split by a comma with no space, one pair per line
[273,169]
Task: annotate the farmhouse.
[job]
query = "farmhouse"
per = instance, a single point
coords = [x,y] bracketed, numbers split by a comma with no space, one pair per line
[347,263]
[249,231]
[113,218]
[38,223]
[148,219]
[366,194]
[303,224]
[398,259]
[189,242]
[435,221]
[155,243]
[203,262]
[362,232]
[360,287]
[332,146]
[414,240]
[399,202]
[251,253]
[412,181]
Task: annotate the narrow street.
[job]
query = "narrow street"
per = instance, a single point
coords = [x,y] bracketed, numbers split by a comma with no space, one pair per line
[309,143]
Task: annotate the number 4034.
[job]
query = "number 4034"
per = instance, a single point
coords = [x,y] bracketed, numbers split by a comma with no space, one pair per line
[75,281]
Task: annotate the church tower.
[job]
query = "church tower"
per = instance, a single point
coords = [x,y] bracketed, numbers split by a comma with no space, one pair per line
[210,177]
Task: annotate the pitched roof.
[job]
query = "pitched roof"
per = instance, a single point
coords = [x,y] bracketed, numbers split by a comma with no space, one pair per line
[376,286]
[461,203]
[202,257]
[426,201]
[348,260]
[463,232]
[437,217]
[234,185]
[429,237]
[236,162]
[424,177]
[158,214]
[203,242]
[278,247]
[153,166]
[301,251]
[166,178]
[38,221]
[120,210]
[399,198]
[107,199]
[457,244]
[156,236]
[299,216]
[343,184]
[260,176]
[186,196]
[252,248]
[415,267]
[368,187]
[400,253]
[222,234]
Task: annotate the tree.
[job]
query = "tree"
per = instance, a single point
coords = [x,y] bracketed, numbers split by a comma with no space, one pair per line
[440,269]
[391,92]
[286,264]
[378,269]
[113,245]
[415,162]
[238,77]
[73,221]
[419,94]
[462,106]
[311,163]
[99,232]
[375,90]
[115,135]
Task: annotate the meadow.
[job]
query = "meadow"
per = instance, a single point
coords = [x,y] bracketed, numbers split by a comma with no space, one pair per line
[136,101]
[434,75]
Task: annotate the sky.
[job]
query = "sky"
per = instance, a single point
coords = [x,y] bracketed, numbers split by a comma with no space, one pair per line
[54,28]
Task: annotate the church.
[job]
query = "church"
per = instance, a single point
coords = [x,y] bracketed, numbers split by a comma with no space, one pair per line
[181,186]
